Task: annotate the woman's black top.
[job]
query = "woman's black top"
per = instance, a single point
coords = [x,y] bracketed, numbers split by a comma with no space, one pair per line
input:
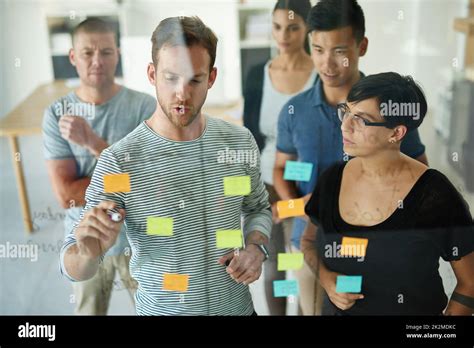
[400,269]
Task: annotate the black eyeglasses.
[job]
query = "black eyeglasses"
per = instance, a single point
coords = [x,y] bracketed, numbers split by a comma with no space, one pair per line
[343,112]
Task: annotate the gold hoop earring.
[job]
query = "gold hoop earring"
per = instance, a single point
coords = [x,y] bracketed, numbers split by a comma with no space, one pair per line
[392,141]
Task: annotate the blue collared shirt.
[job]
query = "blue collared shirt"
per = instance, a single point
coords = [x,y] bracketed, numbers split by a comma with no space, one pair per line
[309,128]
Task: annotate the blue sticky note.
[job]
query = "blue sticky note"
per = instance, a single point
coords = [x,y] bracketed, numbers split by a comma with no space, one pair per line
[298,171]
[285,288]
[349,284]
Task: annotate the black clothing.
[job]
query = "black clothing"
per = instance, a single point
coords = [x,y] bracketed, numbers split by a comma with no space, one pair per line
[400,270]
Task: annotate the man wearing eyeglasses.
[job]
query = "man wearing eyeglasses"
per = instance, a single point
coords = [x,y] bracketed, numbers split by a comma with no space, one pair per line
[309,129]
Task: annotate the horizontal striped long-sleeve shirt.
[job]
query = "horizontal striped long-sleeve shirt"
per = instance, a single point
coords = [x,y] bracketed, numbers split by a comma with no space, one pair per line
[184,180]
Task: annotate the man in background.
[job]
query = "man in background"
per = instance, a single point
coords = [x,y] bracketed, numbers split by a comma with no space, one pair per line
[76,129]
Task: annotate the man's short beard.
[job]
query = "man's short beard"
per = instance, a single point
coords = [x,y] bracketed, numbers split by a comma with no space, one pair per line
[175,121]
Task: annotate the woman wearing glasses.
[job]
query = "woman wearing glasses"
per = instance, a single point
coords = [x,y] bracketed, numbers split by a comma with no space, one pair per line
[381,221]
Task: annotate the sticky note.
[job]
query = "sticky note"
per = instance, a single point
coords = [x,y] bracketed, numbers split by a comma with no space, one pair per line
[175,282]
[354,246]
[285,288]
[116,183]
[287,261]
[349,284]
[228,239]
[159,226]
[237,185]
[298,171]
[292,207]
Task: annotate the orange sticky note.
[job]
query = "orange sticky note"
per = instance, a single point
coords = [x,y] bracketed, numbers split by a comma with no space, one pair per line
[116,183]
[292,207]
[175,282]
[354,246]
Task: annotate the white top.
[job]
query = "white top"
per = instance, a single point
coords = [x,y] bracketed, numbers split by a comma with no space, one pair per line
[272,102]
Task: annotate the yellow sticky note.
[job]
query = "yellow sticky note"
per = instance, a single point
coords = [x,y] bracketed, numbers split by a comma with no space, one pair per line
[116,183]
[354,246]
[175,282]
[287,261]
[228,239]
[289,208]
[237,185]
[159,226]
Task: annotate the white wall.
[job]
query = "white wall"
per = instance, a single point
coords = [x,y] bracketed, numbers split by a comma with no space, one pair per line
[141,17]
[24,36]
[436,70]
[2,58]
[421,43]
[413,37]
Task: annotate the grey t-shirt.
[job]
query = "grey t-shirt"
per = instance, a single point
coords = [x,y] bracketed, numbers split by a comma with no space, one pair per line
[111,121]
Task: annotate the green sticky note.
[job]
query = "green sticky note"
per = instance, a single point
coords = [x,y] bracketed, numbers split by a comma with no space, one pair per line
[237,185]
[228,239]
[287,261]
[159,226]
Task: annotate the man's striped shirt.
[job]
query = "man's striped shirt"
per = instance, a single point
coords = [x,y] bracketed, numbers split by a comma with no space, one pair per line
[184,180]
